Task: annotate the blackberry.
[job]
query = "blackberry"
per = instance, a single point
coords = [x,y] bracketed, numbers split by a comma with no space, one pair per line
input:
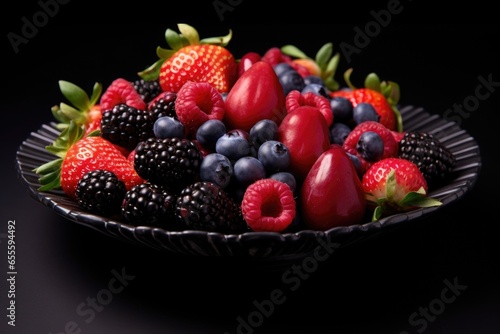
[126,126]
[163,105]
[149,204]
[170,162]
[206,206]
[148,90]
[101,192]
[434,160]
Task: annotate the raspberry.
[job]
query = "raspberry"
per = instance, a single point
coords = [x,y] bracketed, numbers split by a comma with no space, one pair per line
[296,99]
[121,91]
[268,205]
[198,102]
[351,141]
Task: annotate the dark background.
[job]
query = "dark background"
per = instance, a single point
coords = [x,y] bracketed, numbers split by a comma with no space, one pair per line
[371,287]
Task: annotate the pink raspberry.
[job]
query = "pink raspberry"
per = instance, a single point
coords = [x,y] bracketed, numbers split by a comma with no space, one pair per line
[268,205]
[198,102]
[121,91]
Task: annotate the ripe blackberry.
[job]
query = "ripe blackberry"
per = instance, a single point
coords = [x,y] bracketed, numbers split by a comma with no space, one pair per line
[148,90]
[163,105]
[170,162]
[100,192]
[434,160]
[126,126]
[206,206]
[149,204]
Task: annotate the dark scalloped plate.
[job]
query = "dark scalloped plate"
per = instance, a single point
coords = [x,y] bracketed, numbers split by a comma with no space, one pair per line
[261,245]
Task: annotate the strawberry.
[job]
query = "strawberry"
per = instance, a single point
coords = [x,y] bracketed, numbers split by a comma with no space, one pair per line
[383,96]
[296,99]
[393,185]
[192,59]
[77,155]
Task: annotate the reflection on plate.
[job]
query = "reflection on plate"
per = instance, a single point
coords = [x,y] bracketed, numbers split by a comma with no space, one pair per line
[268,245]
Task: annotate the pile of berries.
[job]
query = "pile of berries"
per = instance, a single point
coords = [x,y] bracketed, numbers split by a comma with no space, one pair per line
[264,143]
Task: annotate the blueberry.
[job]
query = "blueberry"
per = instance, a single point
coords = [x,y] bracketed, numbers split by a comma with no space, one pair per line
[281,68]
[262,131]
[342,108]
[274,155]
[314,79]
[285,177]
[370,145]
[248,170]
[233,145]
[291,80]
[216,168]
[357,164]
[168,127]
[316,89]
[209,132]
[363,112]
[338,133]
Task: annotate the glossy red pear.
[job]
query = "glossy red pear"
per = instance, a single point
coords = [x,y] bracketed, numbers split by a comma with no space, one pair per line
[331,194]
[256,95]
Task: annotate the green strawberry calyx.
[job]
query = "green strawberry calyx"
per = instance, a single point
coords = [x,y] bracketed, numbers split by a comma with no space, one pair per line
[186,36]
[80,104]
[50,172]
[388,204]
[389,89]
[325,59]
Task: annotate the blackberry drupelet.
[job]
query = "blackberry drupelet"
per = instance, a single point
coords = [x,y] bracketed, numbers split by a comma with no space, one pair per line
[148,90]
[169,162]
[163,105]
[206,206]
[149,204]
[100,192]
[126,126]
[434,160]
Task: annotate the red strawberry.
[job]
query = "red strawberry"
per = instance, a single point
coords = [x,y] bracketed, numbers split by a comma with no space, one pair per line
[79,155]
[268,205]
[121,91]
[201,63]
[256,95]
[193,59]
[382,96]
[274,56]
[296,99]
[394,185]
[351,141]
[331,194]
[196,103]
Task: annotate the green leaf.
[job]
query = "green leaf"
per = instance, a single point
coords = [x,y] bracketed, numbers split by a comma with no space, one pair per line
[72,113]
[419,199]
[372,81]
[390,185]
[173,39]
[293,51]
[77,96]
[323,56]
[96,93]
[220,40]
[189,33]
[164,54]
[152,72]
[377,213]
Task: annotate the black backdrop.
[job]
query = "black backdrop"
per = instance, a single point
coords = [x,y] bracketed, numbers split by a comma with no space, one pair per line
[372,287]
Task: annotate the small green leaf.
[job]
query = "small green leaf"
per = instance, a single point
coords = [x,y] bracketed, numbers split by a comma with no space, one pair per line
[77,96]
[293,51]
[96,93]
[390,185]
[377,213]
[173,39]
[164,54]
[72,113]
[419,199]
[372,81]
[152,72]
[221,40]
[323,56]
[189,33]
